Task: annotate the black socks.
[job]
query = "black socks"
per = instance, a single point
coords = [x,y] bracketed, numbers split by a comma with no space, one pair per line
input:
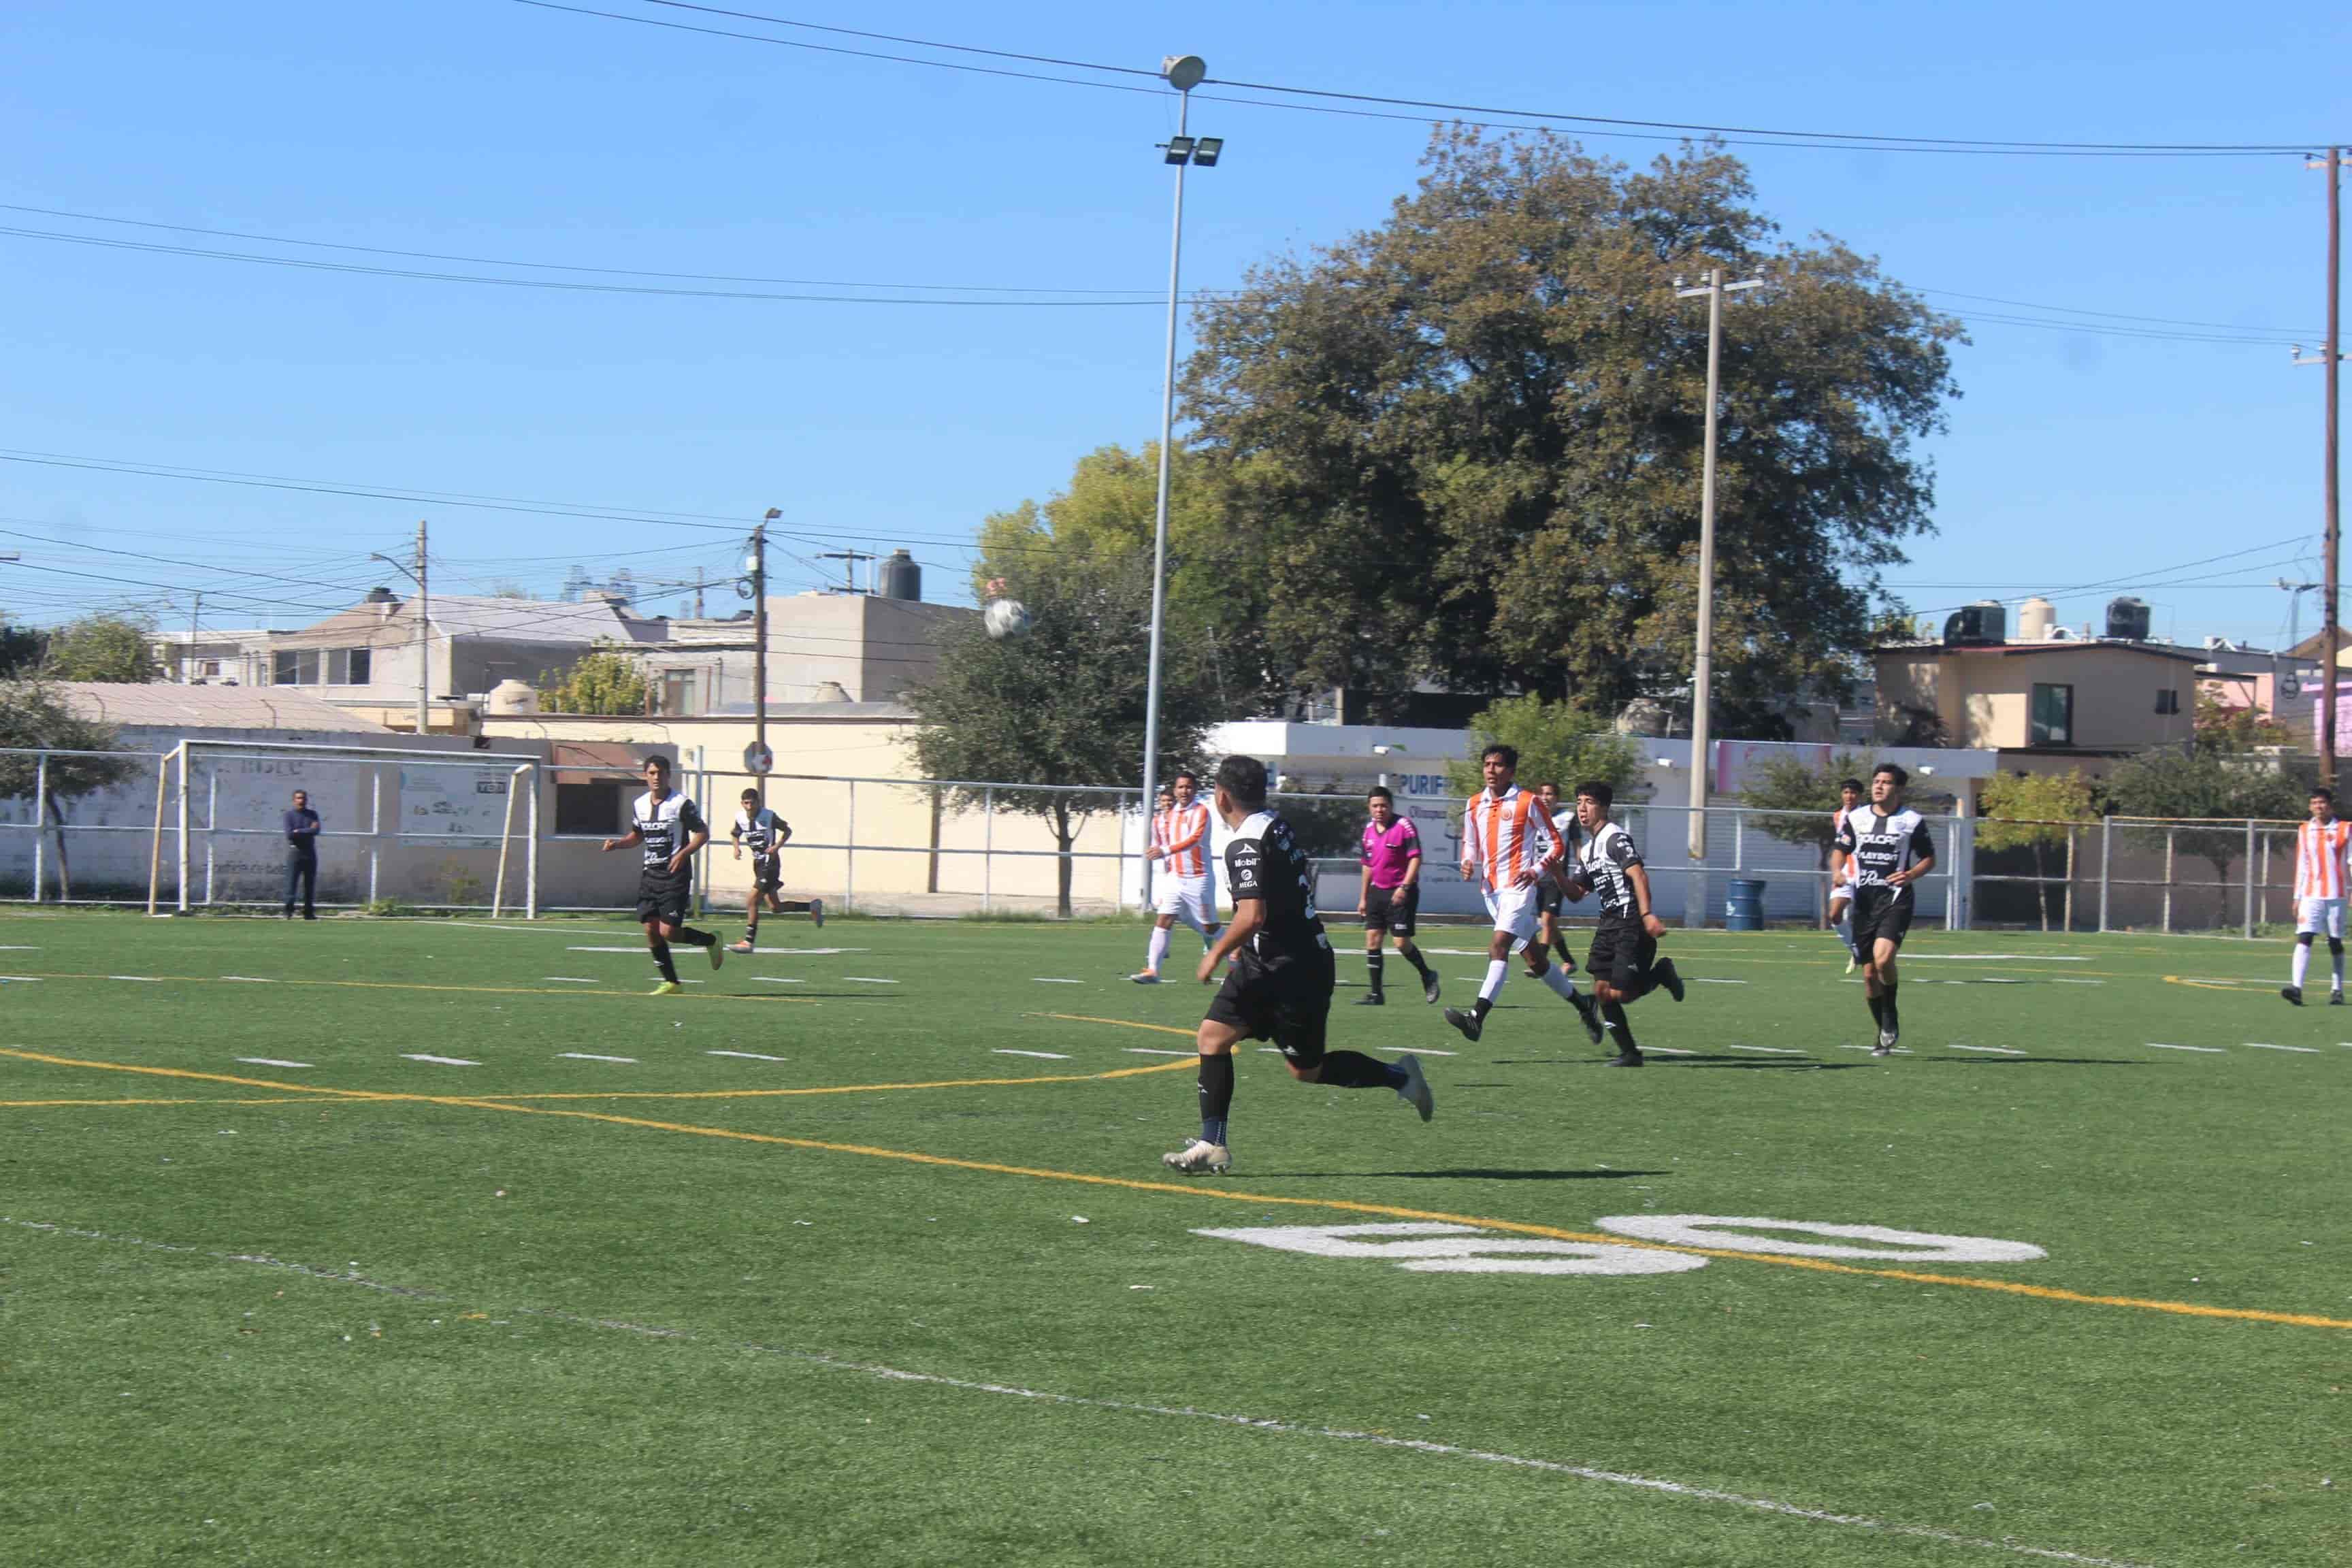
[1412,955]
[661,963]
[1216,1097]
[1372,962]
[1354,1069]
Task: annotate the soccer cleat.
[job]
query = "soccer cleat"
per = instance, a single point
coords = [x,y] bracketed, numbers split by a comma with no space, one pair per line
[1588,1012]
[816,914]
[667,988]
[2292,993]
[1372,999]
[1200,1158]
[1850,961]
[1886,1046]
[2335,998]
[717,954]
[1629,1057]
[1467,1023]
[743,946]
[1414,1091]
[1148,977]
[1429,989]
[1668,979]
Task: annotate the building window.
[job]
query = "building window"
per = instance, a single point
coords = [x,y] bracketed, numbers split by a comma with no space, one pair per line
[2168,701]
[589,809]
[211,667]
[294,666]
[348,666]
[677,692]
[2052,717]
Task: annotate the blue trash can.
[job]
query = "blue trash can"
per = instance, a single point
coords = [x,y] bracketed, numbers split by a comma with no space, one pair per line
[1743,910]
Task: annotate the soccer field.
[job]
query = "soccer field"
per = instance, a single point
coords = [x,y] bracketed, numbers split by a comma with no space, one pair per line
[437,1241]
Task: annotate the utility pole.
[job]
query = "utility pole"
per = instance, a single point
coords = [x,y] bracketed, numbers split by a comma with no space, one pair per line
[2331,355]
[423,640]
[1703,664]
[195,614]
[758,565]
[849,560]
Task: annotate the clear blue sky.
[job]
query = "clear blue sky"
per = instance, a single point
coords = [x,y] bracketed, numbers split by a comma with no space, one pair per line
[486,128]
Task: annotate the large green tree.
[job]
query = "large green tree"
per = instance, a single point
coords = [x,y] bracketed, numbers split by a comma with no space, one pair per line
[103,646]
[1559,743]
[2203,783]
[1064,704]
[1469,440]
[34,716]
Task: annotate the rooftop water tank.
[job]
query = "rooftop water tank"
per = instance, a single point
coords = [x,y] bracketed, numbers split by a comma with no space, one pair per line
[1984,621]
[512,697]
[2035,618]
[2129,618]
[898,577]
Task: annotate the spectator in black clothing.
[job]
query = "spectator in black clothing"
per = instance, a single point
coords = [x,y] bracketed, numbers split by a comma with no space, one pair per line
[301,856]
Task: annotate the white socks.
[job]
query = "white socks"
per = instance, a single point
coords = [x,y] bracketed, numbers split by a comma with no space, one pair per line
[1497,970]
[1561,985]
[1157,950]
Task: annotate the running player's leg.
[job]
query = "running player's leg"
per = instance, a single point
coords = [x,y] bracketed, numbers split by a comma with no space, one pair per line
[2310,914]
[1199,905]
[1882,956]
[1155,949]
[752,918]
[659,946]
[1515,925]
[1301,1017]
[1618,966]
[1842,923]
[2335,950]
[1403,914]
[1210,1153]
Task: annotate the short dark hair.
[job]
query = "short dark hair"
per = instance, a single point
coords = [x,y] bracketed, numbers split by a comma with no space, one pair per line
[1894,770]
[1244,778]
[1853,784]
[2320,791]
[1183,773]
[657,761]
[750,794]
[1599,791]
[1379,792]
[1510,754]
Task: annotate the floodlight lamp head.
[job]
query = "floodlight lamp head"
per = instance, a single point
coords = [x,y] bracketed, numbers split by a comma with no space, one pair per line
[1178,148]
[1184,72]
[774,513]
[1207,149]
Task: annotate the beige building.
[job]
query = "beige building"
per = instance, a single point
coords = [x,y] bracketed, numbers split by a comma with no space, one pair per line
[2043,706]
[822,647]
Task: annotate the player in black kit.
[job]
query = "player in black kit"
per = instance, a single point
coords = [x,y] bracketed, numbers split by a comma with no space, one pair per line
[1279,988]
[1887,849]
[671,829]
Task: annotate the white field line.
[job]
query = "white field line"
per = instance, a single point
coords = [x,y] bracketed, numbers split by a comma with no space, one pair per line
[12,947]
[2070,980]
[2208,1050]
[1666,1051]
[573,979]
[1996,1050]
[1899,1050]
[871,979]
[1768,1050]
[1147,1051]
[1055,980]
[250,980]
[141,979]
[438,1061]
[2306,1050]
[1272,1426]
[272,1062]
[1042,1055]
[779,980]
[1707,980]
[747,1055]
[593,1057]
[1981,957]
[1425,1051]
[19,979]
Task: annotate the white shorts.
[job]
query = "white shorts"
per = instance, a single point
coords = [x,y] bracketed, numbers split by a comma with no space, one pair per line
[1514,910]
[2323,917]
[1843,891]
[1174,895]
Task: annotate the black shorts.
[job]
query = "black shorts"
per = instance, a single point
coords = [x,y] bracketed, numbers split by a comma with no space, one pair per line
[1391,909]
[1548,898]
[664,895]
[1291,1005]
[1881,914]
[766,872]
[1621,953]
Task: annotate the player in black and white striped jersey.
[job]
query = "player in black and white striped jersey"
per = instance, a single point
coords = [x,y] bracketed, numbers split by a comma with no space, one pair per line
[1887,849]
[765,833]
[671,829]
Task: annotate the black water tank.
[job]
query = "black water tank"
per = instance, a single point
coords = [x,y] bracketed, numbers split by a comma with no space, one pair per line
[1981,623]
[898,577]
[2129,618]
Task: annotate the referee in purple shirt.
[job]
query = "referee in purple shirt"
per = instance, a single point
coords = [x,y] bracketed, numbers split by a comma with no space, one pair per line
[301,856]
[1390,892]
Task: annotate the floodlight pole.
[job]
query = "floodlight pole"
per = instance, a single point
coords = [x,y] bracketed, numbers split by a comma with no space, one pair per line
[1182,72]
[759,635]
[1703,664]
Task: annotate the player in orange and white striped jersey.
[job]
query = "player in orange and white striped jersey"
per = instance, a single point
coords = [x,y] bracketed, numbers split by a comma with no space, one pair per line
[2321,847]
[1181,885]
[1510,844]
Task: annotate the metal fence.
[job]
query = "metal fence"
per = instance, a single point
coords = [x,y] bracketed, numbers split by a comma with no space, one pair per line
[198,825]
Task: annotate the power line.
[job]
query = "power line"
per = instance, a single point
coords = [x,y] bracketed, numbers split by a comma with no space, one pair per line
[1872,140]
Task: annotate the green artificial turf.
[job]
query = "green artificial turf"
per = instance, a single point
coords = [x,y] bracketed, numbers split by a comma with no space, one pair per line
[552,1310]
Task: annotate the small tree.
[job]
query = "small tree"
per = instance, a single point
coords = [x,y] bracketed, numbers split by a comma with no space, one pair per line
[2237,730]
[21,650]
[2204,785]
[1065,704]
[604,680]
[34,716]
[1803,799]
[103,648]
[2037,809]
[1558,741]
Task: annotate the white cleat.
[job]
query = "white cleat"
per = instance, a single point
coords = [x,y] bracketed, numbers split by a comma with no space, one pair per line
[1200,1158]
[1146,978]
[1886,1046]
[1414,1091]
[1849,964]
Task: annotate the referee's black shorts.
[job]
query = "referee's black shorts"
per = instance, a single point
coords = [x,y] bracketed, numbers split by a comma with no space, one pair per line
[1289,1004]
[1391,909]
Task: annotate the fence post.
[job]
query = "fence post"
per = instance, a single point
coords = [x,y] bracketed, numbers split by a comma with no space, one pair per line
[40,817]
[2106,859]
[531,852]
[2266,878]
[375,828]
[2250,879]
[2169,832]
[212,823]
[184,760]
[987,845]
[849,854]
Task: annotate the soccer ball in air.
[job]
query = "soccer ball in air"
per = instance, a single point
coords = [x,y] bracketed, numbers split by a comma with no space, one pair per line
[1007,619]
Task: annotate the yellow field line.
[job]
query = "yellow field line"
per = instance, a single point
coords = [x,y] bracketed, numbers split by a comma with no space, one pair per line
[2217,984]
[1228,1195]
